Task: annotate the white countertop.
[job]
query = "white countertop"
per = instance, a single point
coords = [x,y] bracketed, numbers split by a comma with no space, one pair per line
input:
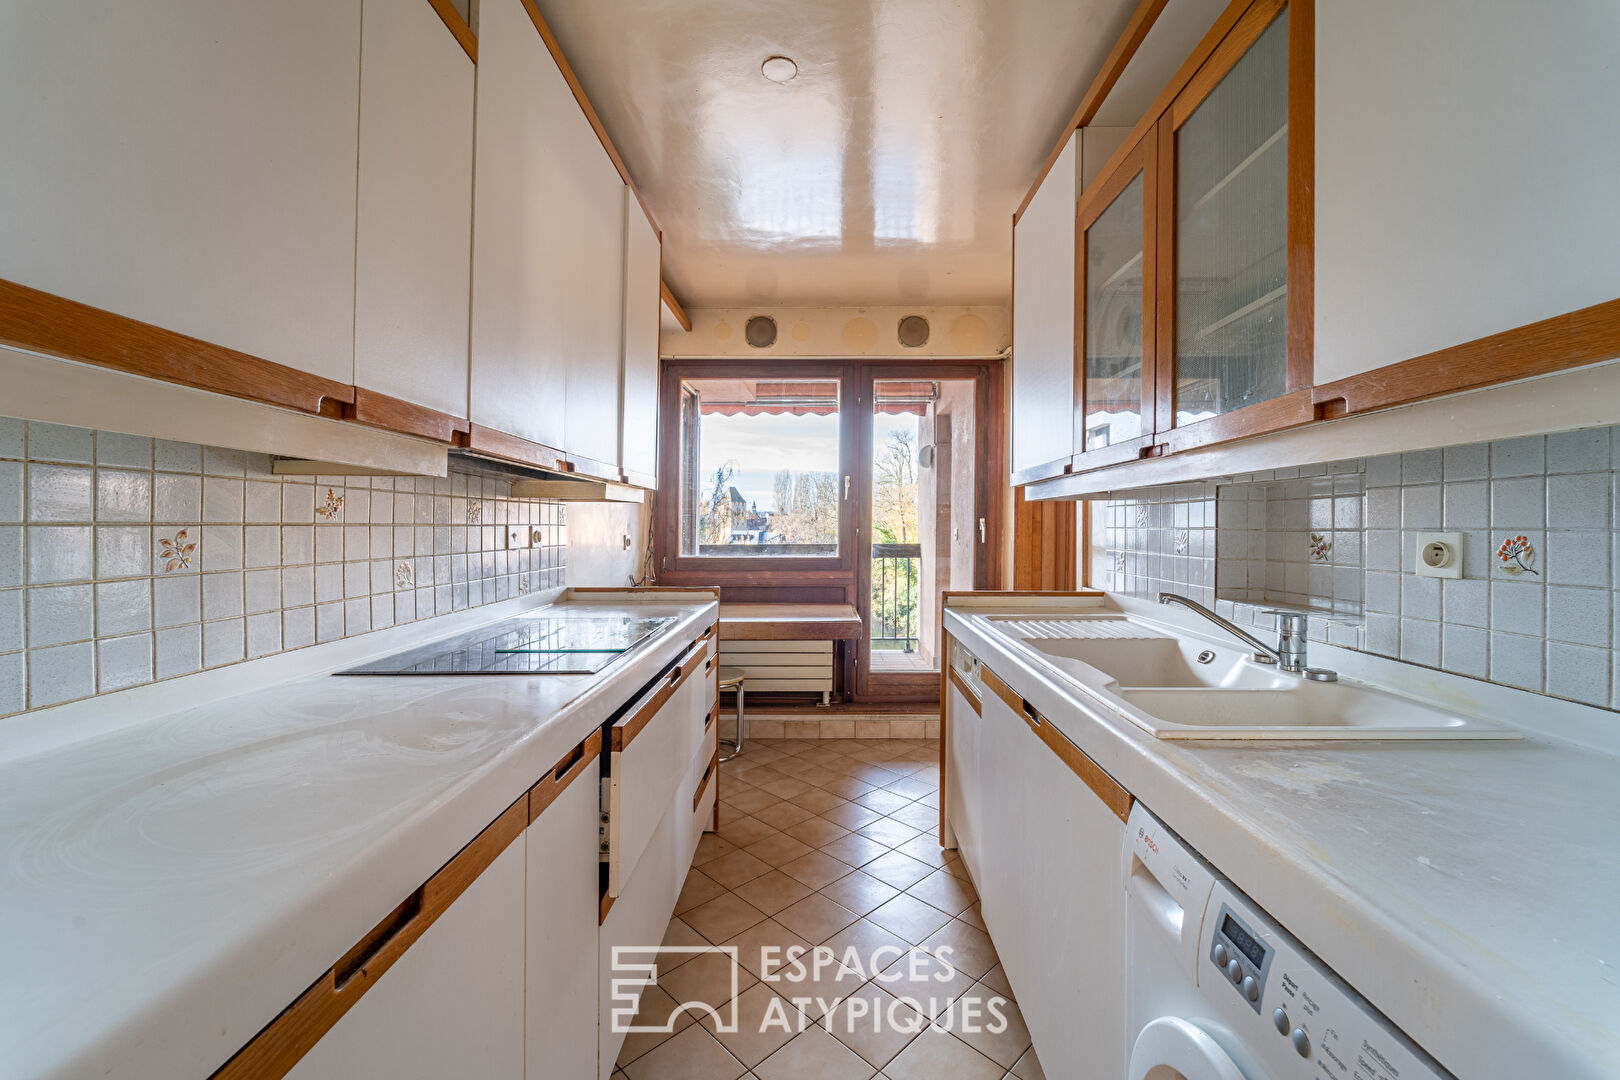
[170,886]
[1469,890]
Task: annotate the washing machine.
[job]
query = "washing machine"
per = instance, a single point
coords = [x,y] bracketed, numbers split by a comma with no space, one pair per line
[1217,990]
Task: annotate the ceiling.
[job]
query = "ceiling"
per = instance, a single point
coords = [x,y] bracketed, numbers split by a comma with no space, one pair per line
[887,172]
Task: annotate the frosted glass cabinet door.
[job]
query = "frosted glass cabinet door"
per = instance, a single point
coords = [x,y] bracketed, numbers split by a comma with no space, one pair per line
[1231,252]
[1113,327]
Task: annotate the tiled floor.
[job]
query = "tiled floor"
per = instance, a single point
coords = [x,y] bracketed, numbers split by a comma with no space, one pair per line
[832,843]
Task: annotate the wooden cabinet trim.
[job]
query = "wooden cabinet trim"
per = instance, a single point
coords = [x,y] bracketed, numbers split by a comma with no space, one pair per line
[1044,471]
[968,692]
[1116,798]
[482,439]
[1301,199]
[674,305]
[273,1052]
[573,765]
[1589,335]
[56,326]
[1291,410]
[1252,23]
[395,414]
[624,732]
[703,785]
[458,27]
[1119,57]
[595,121]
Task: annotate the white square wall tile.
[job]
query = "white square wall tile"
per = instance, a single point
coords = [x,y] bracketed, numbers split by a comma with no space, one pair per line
[11,620]
[11,491]
[55,442]
[1467,505]
[11,556]
[1578,451]
[13,683]
[261,546]
[176,456]
[382,611]
[179,651]
[262,502]
[297,585]
[176,600]
[329,621]
[1517,607]
[224,642]
[1578,557]
[328,582]
[1421,467]
[297,544]
[1579,616]
[1579,501]
[123,662]
[1465,602]
[123,607]
[1420,642]
[60,493]
[1465,650]
[218,461]
[222,547]
[297,503]
[62,673]
[1519,457]
[222,499]
[55,553]
[261,591]
[264,634]
[357,615]
[12,437]
[123,495]
[61,614]
[1420,507]
[128,451]
[1578,672]
[1471,462]
[297,627]
[222,595]
[1516,661]
[176,498]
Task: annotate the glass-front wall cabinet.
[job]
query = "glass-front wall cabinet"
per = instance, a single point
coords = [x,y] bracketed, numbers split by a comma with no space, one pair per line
[1184,259]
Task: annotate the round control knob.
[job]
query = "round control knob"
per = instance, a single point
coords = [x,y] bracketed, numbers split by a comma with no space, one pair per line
[1251,989]
[1302,1042]
[1234,971]
[1280,1018]
[1220,956]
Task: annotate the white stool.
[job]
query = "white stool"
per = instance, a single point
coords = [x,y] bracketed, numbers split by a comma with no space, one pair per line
[732,678]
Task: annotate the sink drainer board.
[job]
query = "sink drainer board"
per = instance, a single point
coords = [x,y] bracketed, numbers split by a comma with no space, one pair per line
[1103,626]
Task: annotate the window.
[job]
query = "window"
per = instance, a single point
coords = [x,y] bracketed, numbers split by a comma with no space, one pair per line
[760,471]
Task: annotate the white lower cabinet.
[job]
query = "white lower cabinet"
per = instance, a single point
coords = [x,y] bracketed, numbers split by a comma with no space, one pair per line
[452,1005]
[1043,849]
[563,893]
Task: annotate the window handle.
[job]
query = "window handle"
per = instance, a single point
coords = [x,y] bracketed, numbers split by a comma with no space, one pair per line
[981,530]
[846,487]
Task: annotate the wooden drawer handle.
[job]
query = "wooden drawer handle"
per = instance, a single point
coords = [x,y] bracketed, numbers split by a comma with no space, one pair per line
[566,771]
[707,633]
[703,785]
[708,721]
[398,921]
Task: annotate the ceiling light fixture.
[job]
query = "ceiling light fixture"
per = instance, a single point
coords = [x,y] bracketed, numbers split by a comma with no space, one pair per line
[779,69]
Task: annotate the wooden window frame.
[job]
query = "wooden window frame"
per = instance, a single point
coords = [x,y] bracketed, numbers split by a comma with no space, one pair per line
[673,559]
[1141,159]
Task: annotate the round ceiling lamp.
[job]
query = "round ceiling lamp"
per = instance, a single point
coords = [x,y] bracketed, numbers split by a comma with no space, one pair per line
[779,69]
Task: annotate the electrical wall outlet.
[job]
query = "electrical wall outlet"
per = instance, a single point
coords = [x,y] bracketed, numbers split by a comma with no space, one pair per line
[537,538]
[1439,554]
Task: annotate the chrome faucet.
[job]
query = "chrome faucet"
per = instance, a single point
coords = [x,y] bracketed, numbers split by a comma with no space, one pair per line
[1290,653]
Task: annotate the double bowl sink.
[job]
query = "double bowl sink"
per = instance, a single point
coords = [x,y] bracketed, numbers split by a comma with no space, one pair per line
[1178,687]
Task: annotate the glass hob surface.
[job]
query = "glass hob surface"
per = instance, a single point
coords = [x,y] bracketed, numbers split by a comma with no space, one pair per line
[547,645]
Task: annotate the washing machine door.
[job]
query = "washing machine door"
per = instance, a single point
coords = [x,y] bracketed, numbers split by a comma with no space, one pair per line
[1171,1048]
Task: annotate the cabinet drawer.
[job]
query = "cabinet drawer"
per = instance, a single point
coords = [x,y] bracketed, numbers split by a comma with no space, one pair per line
[650,747]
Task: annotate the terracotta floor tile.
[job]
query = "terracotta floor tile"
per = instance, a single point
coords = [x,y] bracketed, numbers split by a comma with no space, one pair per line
[734,869]
[816,918]
[765,949]
[723,917]
[860,892]
[1029,1067]
[729,813]
[710,847]
[849,787]
[888,831]
[867,945]
[751,800]
[816,869]
[910,787]
[925,848]
[814,1055]
[694,1054]
[945,891]
[700,888]
[773,891]
[759,1029]
[851,815]
[749,830]
[785,788]
[973,1026]
[884,802]
[678,933]
[779,848]
[970,949]
[901,871]
[816,831]
[854,849]
[935,1054]
[707,979]
[782,814]
[973,917]
[908,917]
[874,1024]
[817,800]
[655,1010]
[920,817]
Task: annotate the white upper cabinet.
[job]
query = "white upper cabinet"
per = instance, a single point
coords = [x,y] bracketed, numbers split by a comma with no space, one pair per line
[414,236]
[548,250]
[642,274]
[1465,164]
[1043,322]
[188,163]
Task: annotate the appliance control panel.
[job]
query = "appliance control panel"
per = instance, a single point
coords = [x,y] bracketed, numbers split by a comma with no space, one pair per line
[966,665]
[1291,1011]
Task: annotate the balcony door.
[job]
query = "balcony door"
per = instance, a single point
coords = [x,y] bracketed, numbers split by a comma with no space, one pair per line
[925,520]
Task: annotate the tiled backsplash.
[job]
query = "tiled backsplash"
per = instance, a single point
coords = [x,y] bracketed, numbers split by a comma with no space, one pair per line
[1540,522]
[124,560]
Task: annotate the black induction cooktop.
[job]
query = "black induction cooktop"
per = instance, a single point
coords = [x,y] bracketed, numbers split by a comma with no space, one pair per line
[538,645]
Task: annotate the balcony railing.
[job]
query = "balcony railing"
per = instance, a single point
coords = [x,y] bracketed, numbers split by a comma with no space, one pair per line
[895,589]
